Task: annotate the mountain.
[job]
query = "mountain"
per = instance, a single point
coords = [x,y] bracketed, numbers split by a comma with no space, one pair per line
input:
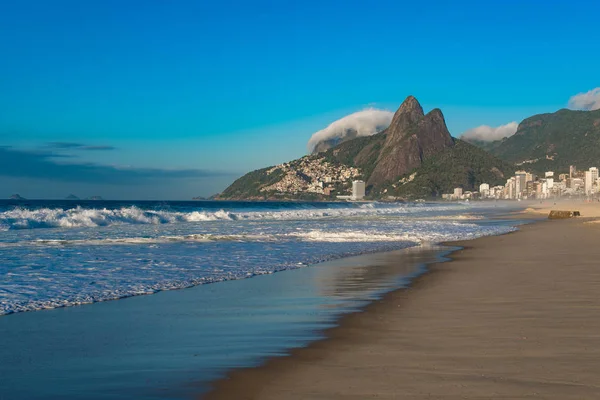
[16,197]
[552,141]
[414,157]
[411,138]
[71,197]
[463,165]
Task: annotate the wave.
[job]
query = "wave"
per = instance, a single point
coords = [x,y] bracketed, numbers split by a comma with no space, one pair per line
[310,236]
[426,234]
[22,218]
[198,238]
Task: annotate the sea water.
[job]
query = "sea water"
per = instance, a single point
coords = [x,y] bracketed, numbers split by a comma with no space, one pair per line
[57,255]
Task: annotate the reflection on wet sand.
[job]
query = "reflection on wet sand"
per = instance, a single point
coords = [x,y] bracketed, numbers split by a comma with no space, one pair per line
[367,276]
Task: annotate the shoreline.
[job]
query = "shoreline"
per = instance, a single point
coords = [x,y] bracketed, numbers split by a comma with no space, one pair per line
[249,385]
[288,377]
[320,263]
[178,341]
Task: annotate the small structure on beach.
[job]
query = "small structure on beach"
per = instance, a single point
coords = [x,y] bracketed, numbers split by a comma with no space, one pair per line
[555,214]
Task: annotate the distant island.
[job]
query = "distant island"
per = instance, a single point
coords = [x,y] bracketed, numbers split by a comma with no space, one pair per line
[71,197]
[16,197]
[95,198]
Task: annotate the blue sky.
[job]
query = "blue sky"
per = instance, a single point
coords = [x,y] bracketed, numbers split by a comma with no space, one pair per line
[191,94]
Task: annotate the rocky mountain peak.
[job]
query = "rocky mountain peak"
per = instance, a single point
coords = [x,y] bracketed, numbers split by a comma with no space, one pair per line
[411,138]
[410,105]
[409,113]
[433,133]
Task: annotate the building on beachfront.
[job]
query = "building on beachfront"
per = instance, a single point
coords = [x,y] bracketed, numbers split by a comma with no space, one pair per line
[529,177]
[594,172]
[484,190]
[358,190]
[588,182]
[575,183]
[458,192]
[520,183]
[511,188]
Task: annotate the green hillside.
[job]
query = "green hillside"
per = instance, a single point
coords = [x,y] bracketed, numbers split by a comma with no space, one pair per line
[463,165]
[553,141]
[248,186]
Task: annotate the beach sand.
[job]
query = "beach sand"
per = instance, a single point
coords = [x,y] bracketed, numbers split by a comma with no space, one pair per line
[586,208]
[513,316]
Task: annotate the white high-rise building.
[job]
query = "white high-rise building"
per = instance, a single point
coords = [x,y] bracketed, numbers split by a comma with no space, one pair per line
[458,192]
[358,190]
[544,191]
[549,174]
[484,190]
[512,188]
[520,183]
[528,177]
[588,182]
[594,172]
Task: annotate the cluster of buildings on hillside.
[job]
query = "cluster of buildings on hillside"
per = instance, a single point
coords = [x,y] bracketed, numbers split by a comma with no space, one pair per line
[525,185]
[310,175]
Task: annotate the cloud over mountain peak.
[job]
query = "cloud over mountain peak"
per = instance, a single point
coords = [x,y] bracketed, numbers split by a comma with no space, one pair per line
[366,122]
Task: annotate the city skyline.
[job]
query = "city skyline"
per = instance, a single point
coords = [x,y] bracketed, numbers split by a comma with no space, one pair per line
[525,185]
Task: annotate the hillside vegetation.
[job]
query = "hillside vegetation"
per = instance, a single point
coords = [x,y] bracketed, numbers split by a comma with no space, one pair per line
[552,141]
[463,165]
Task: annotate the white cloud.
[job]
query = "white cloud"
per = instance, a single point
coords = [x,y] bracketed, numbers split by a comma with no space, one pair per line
[586,101]
[362,123]
[489,133]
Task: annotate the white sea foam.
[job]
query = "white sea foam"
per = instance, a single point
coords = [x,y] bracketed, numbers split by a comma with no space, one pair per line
[196,238]
[21,218]
[415,235]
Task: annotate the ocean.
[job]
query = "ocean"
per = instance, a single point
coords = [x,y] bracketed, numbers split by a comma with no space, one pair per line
[59,257]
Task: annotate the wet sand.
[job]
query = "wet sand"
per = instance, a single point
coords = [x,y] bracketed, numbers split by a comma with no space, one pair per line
[513,316]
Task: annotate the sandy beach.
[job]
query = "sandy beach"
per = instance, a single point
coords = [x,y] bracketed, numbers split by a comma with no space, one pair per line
[586,208]
[511,316]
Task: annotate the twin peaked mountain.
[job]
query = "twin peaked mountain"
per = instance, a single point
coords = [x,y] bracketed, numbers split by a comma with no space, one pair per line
[414,157]
[411,138]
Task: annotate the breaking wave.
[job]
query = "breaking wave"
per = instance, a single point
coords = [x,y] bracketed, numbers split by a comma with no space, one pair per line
[22,218]
[339,236]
